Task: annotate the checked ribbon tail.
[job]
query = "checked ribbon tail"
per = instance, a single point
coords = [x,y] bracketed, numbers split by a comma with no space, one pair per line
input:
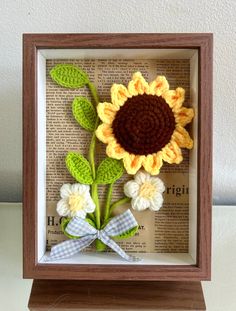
[113,245]
[69,248]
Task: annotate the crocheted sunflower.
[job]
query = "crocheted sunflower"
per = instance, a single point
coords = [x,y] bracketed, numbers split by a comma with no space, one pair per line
[144,124]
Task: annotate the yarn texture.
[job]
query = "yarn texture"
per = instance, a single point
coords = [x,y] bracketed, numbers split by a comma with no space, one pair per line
[69,76]
[75,201]
[79,168]
[144,124]
[109,171]
[84,113]
[145,192]
[148,121]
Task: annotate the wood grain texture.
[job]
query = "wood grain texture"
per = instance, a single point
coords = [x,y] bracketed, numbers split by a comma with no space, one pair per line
[118,40]
[31,43]
[205,156]
[108,295]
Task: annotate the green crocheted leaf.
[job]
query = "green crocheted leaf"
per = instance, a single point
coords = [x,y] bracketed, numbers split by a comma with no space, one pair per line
[109,171]
[69,76]
[127,234]
[84,113]
[91,222]
[100,246]
[79,168]
[64,224]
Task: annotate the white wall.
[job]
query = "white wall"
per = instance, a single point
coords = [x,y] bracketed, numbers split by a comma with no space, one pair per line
[17,17]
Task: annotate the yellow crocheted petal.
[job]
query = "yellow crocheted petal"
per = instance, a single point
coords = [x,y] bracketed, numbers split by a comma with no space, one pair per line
[158,86]
[106,112]
[152,163]
[171,153]
[104,133]
[119,94]
[174,98]
[115,151]
[138,85]
[132,163]
[182,138]
[183,115]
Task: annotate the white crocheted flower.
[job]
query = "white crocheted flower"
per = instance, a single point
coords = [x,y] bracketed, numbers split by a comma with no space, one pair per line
[145,191]
[76,201]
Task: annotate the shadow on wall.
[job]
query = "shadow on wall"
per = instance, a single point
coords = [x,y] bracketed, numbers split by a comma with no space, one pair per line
[10,186]
[10,134]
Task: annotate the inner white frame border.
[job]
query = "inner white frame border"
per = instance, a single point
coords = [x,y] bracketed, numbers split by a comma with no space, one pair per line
[110,258]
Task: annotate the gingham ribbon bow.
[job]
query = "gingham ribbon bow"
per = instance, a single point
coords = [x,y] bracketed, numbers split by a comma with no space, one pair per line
[87,233]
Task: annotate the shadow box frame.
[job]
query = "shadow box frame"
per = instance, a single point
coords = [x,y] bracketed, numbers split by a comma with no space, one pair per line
[33,44]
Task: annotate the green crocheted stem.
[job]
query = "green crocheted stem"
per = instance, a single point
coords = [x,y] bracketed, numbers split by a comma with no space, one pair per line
[118,203]
[108,202]
[94,93]
[92,146]
[93,140]
[100,246]
[91,216]
[94,187]
[91,156]
[94,195]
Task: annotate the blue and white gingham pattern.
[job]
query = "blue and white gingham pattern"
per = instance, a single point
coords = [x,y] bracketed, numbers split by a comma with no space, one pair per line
[70,247]
[120,224]
[79,227]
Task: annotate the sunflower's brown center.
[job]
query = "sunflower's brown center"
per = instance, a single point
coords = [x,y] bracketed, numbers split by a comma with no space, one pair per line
[144,124]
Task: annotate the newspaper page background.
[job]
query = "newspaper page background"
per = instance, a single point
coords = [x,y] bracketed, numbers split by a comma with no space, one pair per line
[163,231]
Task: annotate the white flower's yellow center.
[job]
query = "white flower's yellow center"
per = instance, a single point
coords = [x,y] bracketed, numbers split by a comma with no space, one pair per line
[76,202]
[147,190]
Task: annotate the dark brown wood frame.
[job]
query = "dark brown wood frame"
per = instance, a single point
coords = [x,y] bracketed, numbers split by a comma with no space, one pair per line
[31,44]
[70,295]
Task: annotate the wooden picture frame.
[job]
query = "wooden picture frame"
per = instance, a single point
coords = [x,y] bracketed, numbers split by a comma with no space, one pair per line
[32,44]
